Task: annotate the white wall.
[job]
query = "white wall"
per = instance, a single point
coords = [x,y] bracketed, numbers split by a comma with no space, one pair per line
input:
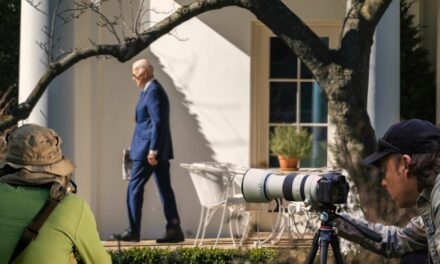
[384,78]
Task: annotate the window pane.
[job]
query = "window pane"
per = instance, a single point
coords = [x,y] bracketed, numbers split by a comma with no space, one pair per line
[273,159]
[283,62]
[305,72]
[318,154]
[282,102]
[313,104]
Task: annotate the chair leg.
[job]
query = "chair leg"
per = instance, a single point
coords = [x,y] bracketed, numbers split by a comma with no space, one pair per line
[200,225]
[205,224]
[221,225]
[237,228]
[276,227]
[283,225]
[231,231]
[209,214]
[246,229]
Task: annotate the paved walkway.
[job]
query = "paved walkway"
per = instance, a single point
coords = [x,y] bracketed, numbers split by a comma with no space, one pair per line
[226,243]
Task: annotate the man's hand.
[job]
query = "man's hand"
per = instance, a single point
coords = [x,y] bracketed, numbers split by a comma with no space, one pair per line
[152,159]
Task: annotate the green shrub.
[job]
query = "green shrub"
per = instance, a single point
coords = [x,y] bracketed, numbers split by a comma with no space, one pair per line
[194,256]
[262,255]
[290,141]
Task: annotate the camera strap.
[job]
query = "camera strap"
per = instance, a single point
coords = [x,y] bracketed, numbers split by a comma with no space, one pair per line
[30,233]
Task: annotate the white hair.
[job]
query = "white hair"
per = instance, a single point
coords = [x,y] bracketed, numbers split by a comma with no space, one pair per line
[144,64]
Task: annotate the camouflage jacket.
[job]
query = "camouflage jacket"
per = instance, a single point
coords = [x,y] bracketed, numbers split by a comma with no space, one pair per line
[421,233]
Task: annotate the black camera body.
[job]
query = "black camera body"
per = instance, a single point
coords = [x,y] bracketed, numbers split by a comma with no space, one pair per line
[332,189]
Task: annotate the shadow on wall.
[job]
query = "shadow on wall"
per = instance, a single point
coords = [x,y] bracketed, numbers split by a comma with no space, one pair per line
[228,23]
[190,145]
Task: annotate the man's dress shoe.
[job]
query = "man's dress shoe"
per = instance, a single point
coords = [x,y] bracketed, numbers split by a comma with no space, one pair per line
[126,236]
[173,235]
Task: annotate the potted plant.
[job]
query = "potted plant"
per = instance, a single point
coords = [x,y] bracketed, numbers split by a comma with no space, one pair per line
[291,144]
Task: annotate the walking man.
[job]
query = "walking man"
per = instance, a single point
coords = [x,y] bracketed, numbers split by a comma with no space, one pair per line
[151,149]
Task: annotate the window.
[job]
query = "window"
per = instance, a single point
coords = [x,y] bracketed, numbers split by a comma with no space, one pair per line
[284,93]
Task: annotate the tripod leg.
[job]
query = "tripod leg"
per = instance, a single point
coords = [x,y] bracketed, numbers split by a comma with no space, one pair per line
[323,248]
[312,254]
[325,234]
[336,249]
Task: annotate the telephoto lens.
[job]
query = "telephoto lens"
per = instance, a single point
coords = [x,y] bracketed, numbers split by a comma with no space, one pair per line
[314,188]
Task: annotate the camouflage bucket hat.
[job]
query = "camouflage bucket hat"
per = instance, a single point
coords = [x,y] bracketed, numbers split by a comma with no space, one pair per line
[36,149]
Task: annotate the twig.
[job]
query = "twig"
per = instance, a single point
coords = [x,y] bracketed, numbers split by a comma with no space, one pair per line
[108,24]
[52,32]
[32,3]
[141,6]
[121,18]
[132,16]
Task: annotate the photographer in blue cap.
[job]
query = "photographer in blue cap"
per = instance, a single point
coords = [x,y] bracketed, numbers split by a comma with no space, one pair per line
[408,157]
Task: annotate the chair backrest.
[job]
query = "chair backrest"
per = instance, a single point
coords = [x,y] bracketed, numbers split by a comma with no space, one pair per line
[210,180]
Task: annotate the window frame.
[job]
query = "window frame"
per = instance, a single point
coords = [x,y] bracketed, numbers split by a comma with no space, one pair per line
[260,81]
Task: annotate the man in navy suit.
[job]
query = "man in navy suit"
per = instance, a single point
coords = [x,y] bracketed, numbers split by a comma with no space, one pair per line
[151,149]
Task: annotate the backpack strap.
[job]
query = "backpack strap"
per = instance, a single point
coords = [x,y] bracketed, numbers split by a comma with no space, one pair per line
[31,231]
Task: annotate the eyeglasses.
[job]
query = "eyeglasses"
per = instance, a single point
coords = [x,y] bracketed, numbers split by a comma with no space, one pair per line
[134,76]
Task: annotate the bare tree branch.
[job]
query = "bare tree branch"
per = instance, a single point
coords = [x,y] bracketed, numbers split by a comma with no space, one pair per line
[107,23]
[122,52]
[293,31]
[136,22]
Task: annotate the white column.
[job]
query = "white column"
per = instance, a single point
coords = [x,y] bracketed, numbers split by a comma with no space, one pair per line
[384,82]
[33,59]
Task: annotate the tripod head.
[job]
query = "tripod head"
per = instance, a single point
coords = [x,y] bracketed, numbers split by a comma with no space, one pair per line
[328,215]
[326,235]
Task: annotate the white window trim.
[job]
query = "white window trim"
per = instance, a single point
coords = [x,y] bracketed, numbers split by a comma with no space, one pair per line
[259,135]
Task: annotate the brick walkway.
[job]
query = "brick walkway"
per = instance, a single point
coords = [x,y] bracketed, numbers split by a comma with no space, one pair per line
[251,242]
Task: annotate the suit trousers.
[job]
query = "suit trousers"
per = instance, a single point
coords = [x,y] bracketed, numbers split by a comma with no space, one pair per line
[140,174]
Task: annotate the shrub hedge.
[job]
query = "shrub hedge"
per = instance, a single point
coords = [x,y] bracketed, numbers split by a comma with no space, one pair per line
[194,256]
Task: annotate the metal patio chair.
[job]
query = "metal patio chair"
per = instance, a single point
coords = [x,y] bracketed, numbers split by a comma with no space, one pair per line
[215,187]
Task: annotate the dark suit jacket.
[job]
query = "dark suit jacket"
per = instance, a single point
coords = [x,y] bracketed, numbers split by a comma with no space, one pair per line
[152,131]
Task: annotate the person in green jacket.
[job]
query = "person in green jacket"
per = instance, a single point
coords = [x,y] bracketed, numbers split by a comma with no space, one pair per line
[33,170]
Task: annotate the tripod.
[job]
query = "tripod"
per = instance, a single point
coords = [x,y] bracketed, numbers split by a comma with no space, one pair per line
[326,235]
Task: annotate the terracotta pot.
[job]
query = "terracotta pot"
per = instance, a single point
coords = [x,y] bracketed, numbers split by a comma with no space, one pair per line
[290,164]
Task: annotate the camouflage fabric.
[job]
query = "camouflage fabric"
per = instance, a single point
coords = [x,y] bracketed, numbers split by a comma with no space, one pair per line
[421,233]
